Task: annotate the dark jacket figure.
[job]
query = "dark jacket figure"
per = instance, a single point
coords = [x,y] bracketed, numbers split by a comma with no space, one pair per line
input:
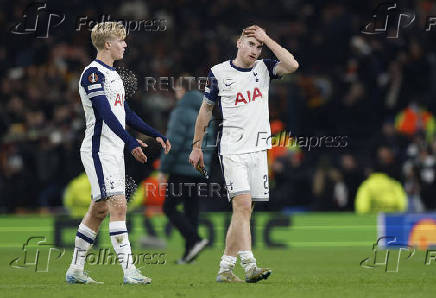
[181,128]
[183,180]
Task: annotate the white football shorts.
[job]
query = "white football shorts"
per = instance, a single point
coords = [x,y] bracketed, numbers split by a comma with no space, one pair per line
[106,173]
[246,174]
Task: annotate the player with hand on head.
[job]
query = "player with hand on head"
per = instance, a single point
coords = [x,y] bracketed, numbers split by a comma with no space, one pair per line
[102,94]
[240,88]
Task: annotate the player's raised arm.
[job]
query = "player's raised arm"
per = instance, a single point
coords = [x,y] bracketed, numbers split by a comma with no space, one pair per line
[133,120]
[287,63]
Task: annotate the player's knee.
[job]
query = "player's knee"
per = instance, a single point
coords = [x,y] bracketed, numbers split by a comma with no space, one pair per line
[117,207]
[242,207]
[100,211]
[118,211]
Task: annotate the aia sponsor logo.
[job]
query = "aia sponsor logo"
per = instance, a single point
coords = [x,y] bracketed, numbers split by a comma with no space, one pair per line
[250,96]
[119,100]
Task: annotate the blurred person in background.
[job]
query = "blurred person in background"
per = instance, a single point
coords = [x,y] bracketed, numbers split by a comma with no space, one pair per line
[179,174]
[328,187]
[386,162]
[292,181]
[352,176]
[420,179]
[380,193]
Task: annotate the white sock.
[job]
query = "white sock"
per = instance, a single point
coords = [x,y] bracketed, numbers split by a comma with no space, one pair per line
[247,259]
[121,244]
[82,244]
[227,263]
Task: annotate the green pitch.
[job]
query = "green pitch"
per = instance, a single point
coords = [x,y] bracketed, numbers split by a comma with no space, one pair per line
[310,269]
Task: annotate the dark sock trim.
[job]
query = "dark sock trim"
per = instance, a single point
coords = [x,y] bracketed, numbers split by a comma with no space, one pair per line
[87,239]
[117,233]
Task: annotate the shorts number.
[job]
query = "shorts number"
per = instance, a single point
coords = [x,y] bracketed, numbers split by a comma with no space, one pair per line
[265,181]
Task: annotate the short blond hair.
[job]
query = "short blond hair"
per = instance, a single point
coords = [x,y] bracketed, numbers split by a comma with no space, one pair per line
[105,31]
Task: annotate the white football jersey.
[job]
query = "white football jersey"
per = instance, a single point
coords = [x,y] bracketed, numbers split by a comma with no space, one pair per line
[241,95]
[100,79]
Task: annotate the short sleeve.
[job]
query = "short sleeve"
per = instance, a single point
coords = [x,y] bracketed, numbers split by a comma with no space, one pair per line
[270,64]
[93,82]
[211,89]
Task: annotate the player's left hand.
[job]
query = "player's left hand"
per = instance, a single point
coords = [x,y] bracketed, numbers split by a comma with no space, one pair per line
[142,143]
[166,146]
[256,32]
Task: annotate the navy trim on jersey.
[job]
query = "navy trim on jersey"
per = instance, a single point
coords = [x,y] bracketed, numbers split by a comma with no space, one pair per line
[220,126]
[240,68]
[92,81]
[95,149]
[101,105]
[104,64]
[270,64]
[212,84]
[220,158]
[87,239]
[133,120]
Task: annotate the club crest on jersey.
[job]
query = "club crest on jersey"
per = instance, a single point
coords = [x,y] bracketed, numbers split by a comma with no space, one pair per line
[255,75]
[93,77]
[241,99]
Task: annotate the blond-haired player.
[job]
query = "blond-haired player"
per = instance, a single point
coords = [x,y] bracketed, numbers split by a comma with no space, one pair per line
[102,93]
[240,88]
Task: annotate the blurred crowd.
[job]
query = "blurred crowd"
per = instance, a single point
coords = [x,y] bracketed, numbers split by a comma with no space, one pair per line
[373,92]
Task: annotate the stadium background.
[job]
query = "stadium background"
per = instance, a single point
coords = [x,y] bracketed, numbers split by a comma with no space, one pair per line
[349,85]
[377,93]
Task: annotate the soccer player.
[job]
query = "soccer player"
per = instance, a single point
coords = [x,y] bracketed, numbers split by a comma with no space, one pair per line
[102,93]
[239,88]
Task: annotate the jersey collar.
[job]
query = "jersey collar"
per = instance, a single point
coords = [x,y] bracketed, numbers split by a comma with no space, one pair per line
[240,68]
[104,64]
